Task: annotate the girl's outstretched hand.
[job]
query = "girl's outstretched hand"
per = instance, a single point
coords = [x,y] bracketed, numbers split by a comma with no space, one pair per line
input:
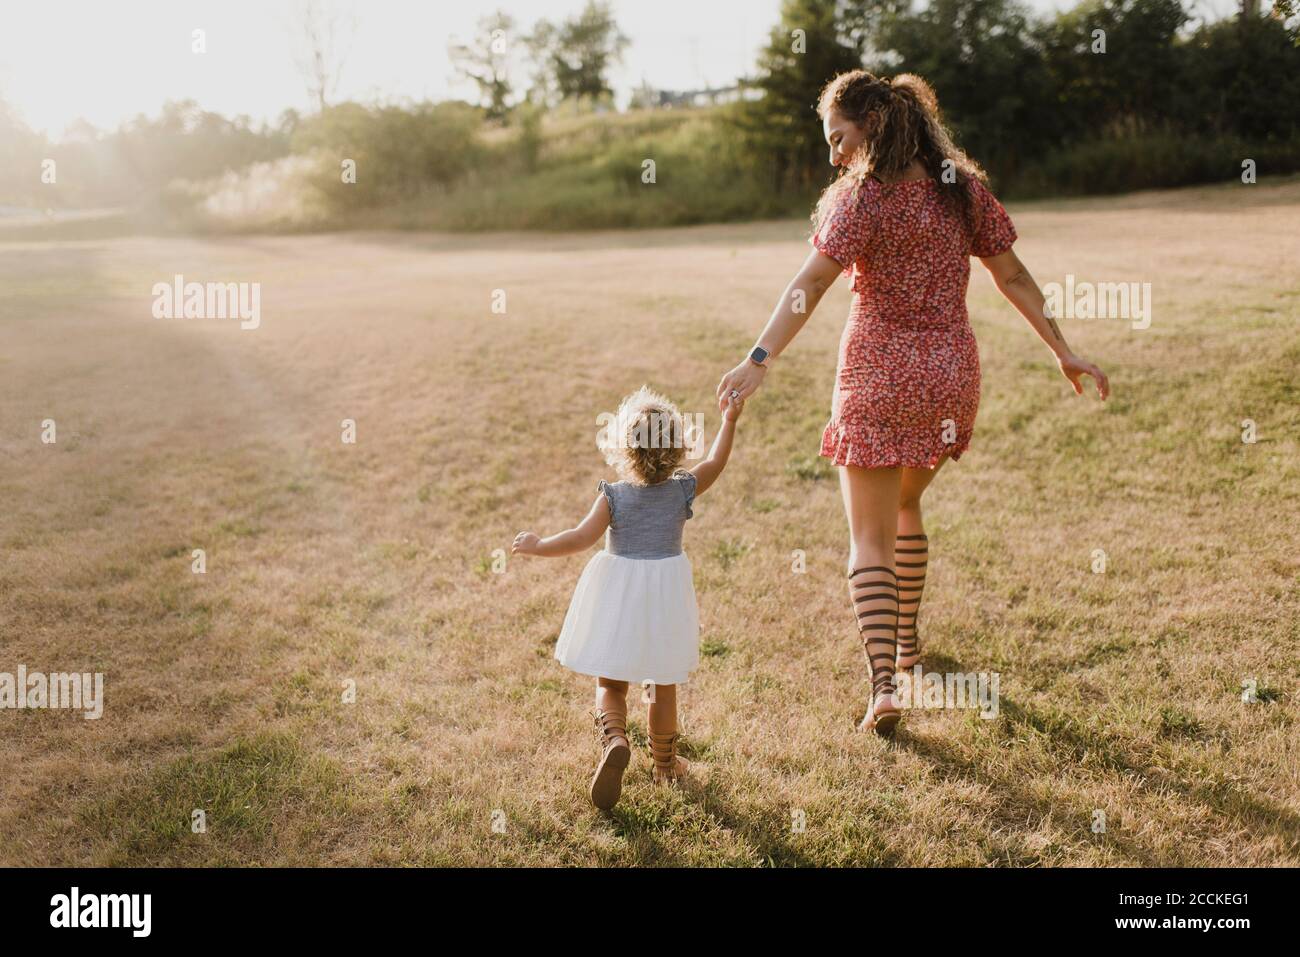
[525,544]
[744,379]
[1074,368]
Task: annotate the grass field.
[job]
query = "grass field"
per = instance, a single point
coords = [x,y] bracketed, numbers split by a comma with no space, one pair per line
[373,562]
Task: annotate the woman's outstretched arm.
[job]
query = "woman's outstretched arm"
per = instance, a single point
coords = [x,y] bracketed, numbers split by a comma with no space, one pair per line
[1014,282]
[801,296]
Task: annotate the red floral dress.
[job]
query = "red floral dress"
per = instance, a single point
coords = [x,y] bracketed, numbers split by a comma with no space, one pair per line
[908,383]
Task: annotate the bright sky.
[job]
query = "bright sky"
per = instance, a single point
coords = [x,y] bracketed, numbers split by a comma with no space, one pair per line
[105,61]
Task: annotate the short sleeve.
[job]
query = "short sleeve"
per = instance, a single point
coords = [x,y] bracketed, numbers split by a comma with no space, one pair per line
[843,234]
[687,482]
[994,231]
[609,497]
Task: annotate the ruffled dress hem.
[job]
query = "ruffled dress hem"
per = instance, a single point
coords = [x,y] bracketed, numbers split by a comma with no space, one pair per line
[861,449]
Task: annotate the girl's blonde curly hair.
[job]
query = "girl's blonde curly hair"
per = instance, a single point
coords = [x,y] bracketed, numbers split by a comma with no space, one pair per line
[647,441]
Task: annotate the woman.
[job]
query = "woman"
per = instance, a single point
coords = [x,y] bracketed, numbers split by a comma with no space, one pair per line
[903,218]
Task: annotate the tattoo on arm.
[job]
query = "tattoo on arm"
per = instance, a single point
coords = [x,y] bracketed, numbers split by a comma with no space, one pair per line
[1047,314]
[1022,276]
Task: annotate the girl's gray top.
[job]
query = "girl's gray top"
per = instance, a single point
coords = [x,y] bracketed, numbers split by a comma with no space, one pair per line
[646,521]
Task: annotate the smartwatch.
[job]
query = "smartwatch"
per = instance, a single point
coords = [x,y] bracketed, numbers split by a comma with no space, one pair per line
[758,356]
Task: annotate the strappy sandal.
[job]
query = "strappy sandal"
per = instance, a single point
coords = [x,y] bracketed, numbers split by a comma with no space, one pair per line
[669,768]
[917,552]
[883,717]
[876,602]
[607,782]
[909,652]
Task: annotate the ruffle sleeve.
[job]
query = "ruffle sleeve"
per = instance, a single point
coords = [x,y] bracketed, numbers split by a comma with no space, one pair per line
[994,231]
[687,481]
[844,233]
[609,497]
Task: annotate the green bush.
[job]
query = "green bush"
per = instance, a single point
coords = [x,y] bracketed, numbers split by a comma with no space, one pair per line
[1155,161]
[585,172]
[399,152]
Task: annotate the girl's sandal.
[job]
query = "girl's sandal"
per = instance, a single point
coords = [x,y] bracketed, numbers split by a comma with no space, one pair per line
[607,783]
[669,768]
[883,716]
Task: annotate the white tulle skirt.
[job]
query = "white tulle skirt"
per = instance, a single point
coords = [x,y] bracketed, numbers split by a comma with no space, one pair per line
[632,619]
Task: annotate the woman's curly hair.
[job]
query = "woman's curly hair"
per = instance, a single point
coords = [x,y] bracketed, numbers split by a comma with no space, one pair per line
[647,441]
[901,121]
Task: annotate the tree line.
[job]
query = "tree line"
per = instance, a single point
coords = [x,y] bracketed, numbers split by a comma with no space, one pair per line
[1108,96]
[1016,87]
[1019,89]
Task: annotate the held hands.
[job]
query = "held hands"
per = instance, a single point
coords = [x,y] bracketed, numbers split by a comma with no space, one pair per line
[525,544]
[744,380]
[732,407]
[1074,368]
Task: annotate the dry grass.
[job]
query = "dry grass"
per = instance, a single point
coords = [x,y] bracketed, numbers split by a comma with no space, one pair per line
[372,562]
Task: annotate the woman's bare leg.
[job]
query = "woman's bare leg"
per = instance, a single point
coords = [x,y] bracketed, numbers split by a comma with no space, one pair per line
[871,499]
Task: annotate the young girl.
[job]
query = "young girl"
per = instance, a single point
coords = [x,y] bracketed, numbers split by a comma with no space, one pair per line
[633,617]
